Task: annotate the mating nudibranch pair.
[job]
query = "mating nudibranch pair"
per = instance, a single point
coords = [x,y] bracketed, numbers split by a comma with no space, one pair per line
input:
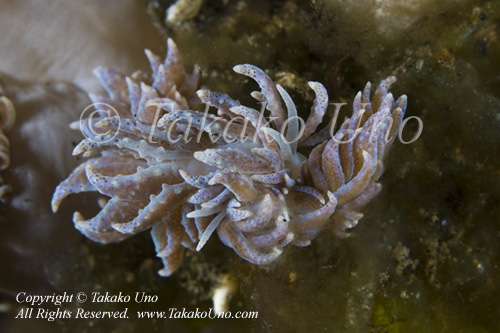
[260,195]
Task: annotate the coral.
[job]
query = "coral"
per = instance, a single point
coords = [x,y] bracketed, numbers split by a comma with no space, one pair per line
[7,119]
[183,10]
[185,174]
[223,293]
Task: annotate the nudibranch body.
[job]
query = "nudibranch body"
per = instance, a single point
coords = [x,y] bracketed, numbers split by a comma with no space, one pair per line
[185,174]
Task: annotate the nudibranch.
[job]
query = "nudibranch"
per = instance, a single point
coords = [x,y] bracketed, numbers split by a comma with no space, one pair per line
[185,174]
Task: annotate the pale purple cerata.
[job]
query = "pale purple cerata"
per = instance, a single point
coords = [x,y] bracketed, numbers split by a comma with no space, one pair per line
[185,174]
